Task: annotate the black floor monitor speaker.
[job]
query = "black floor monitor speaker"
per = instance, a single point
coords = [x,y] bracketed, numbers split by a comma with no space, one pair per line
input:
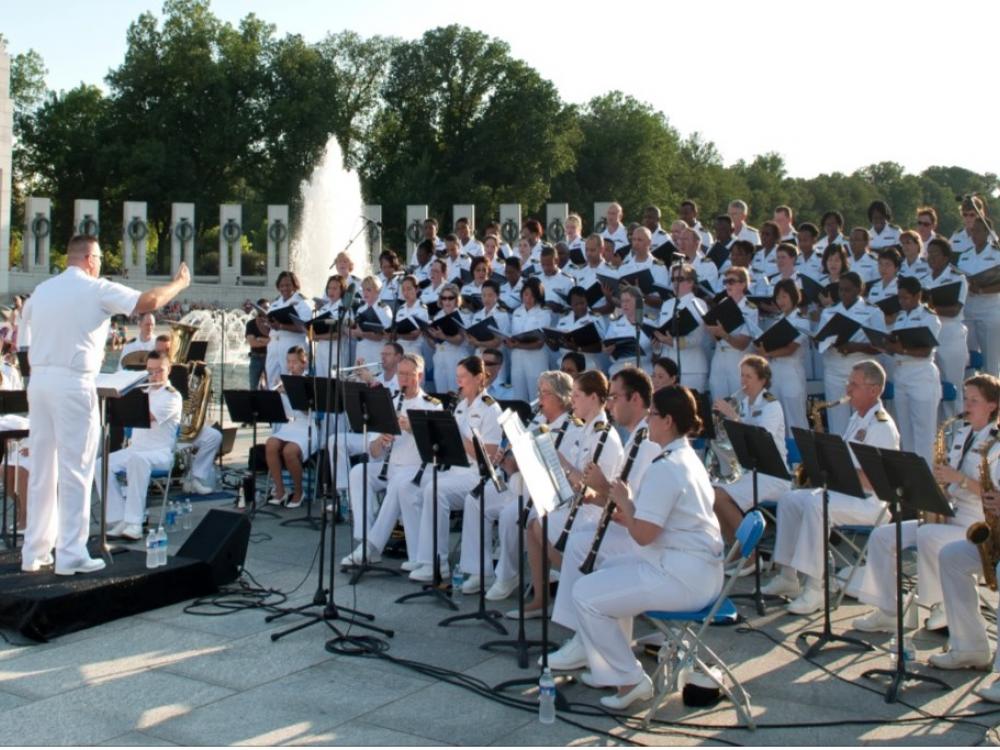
[220,540]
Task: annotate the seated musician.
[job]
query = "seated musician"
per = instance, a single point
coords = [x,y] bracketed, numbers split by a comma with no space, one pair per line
[151,448]
[145,342]
[799,543]
[291,442]
[961,478]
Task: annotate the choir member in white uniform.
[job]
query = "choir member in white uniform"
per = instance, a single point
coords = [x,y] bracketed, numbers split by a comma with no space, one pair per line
[454,260]
[678,561]
[471,247]
[65,325]
[411,309]
[578,317]
[404,464]
[799,542]
[344,267]
[862,260]
[586,276]
[832,224]
[528,359]
[883,234]
[490,309]
[927,226]
[425,256]
[810,260]
[510,290]
[888,271]
[838,361]
[783,217]
[614,229]
[687,351]
[765,260]
[145,342]
[448,350]
[953,353]
[651,216]
[389,277]
[628,325]
[150,448]
[971,209]
[286,335]
[480,269]
[756,406]
[369,343]
[640,259]
[664,373]
[574,241]
[555,282]
[325,344]
[731,347]
[788,363]
[475,411]
[961,477]
[430,293]
[293,442]
[914,263]
[741,230]
[982,310]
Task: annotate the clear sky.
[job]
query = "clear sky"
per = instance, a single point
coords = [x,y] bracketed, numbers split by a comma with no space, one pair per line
[830,86]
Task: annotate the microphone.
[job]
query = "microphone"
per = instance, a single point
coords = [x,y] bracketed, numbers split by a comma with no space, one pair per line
[640,312]
[348,300]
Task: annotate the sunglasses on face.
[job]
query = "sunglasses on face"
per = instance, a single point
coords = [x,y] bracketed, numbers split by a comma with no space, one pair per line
[730,282]
[448,297]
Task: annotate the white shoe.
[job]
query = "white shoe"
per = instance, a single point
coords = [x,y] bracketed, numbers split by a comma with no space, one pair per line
[782,585]
[409,565]
[937,620]
[571,655]
[116,529]
[425,573]
[471,585]
[876,621]
[356,556]
[90,565]
[501,589]
[131,531]
[991,693]
[275,500]
[199,488]
[34,566]
[981,660]
[641,692]
[809,601]
[588,679]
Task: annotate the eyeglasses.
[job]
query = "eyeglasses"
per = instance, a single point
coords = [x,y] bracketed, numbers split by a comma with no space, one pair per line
[445,297]
[925,223]
[730,282]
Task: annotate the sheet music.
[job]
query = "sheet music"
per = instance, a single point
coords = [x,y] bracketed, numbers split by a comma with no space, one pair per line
[117,384]
[544,485]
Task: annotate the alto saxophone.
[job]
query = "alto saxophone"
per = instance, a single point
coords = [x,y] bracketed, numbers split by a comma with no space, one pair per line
[940,459]
[720,449]
[986,534]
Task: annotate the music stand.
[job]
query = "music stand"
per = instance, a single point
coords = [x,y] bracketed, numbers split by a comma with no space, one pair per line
[486,474]
[439,442]
[756,452]
[129,409]
[11,402]
[308,394]
[828,465]
[253,407]
[903,480]
[368,409]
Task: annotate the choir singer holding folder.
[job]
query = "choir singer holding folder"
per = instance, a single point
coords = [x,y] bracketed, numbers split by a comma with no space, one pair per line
[67,318]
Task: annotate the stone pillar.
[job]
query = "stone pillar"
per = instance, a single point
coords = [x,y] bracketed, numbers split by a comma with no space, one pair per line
[6,162]
[37,234]
[601,215]
[87,217]
[373,233]
[555,221]
[415,216]
[230,247]
[182,236]
[135,239]
[510,224]
[278,237]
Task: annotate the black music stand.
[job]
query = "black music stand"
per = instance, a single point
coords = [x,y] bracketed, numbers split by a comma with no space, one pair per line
[828,465]
[757,453]
[901,480]
[253,407]
[11,402]
[308,394]
[440,444]
[486,474]
[368,409]
[129,408]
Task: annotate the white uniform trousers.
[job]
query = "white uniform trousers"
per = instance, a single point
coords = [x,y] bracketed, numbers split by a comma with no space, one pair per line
[446,359]
[724,377]
[356,494]
[495,504]
[951,357]
[961,565]
[138,466]
[403,500]
[645,364]
[274,363]
[617,543]
[788,384]
[525,367]
[586,520]
[836,372]
[982,318]
[350,444]
[768,488]
[878,576]
[65,432]
[206,445]
[799,539]
[453,487]
[696,381]
[608,599]
[918,393]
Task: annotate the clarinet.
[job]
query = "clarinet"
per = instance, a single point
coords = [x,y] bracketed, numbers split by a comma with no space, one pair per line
[574,507]
[383,473]
[609,507]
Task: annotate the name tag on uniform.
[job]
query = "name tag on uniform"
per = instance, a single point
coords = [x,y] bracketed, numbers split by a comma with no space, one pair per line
[756,414]
[860,434]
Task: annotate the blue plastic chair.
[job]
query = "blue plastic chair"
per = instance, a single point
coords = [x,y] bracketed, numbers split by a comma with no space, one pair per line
[683,632]
[975,360]
[948,391]
[890,391]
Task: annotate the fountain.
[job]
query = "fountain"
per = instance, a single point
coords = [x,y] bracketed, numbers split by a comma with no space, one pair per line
[209,325]
[331,216]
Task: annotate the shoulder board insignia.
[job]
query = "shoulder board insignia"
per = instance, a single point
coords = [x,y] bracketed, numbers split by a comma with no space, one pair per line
[751,305]
[882,415]
[170,388]
[431,399]
[994,432]
[601,426]
[658,262]
[662,455]
[577,421]
[488,399]
[768,396]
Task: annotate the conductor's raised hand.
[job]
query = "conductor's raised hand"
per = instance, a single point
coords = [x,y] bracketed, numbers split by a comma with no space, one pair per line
[183,276]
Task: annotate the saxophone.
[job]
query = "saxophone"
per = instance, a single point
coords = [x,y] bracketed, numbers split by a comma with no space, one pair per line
[799,478]
[940,459]
[720,450]
[986,534]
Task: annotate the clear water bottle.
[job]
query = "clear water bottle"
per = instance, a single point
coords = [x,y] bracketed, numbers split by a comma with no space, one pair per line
[188,518]
[170,517]
[457,579]
[909,651]
[342,505]
[151,549]
[547,698]
[161,546]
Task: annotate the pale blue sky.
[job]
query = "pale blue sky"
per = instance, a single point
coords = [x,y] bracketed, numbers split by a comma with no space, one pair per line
[830,86]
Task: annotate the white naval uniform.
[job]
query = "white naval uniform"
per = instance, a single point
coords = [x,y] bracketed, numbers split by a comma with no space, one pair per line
[511,295]
[799,541]
[764,412]
[765,263]
[749,234]
[569,322]
[404,463]
[619,328]
[454,485]
[136,345]
[811,266]
[370,352]
[888,237]
[866,267]
[661,236]
[454,268]
[151,448]
[325,350]
[681,569]
[389,291]
[707,240]
[206,445]
[788,376]
[953,353]
[527,364]
[689,351]
[878,577]
[661,274]
[837,367]
[619,236]
[416,311]
[919,270]
[704,269]
[982,311]
[960,242]
[823,242]
[724,378]
[446,358]
[880,291]
[586,276]
[917,383]
[280,342]
[67,319]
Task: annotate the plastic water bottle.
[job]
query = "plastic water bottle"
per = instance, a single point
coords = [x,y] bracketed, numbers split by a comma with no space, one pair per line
[188,517]
[457,579]
[342,505]
[161,548]
[170,517]
[151,550]
[909,652]
[546,698]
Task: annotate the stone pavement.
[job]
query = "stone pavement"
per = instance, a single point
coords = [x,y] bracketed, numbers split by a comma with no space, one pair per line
[168,677]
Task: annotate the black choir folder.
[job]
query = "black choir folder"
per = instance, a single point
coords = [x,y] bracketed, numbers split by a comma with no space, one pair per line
[945,295]
[839,326]
[685,323]
[727,314]
[780,335]
[919,337]
[586,338]
[622,347]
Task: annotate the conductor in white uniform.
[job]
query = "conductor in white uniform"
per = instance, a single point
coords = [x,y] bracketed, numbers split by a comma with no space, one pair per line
[68,318]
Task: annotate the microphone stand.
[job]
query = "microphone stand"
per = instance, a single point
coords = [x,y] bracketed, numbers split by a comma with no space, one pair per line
[639,315]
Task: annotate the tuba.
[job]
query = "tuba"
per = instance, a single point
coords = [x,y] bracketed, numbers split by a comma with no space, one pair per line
[986,534]
[181,335]
[195,406]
